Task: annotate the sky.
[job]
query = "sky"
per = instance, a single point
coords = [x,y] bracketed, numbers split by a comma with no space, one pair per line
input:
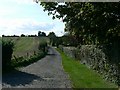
[26,17]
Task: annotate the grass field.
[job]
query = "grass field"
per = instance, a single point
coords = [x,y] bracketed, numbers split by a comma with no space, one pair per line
[81,76]
[26,45]
[26,50]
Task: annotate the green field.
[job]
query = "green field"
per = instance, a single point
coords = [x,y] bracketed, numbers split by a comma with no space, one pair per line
[26,50]
[26,45]
[81,76]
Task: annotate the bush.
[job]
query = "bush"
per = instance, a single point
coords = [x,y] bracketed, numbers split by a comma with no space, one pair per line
[95,58]
[98,60]
[7,50]
[22,61]
[43,47]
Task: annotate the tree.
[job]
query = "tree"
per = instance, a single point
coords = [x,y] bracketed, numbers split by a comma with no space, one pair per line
[41,33]
[7,50]
[3,35]
[88,22]
[22,35]
[53,38]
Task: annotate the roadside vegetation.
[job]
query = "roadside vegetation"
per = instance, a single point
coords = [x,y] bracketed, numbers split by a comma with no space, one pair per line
[93,29]
[22,51]
[81,76]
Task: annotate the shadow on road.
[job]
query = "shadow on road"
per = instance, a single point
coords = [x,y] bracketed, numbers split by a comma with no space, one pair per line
[51,54]
[17,78]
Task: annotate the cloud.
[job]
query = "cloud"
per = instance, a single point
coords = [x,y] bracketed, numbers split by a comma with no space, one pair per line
[33,25]
[19,16]
[26,26]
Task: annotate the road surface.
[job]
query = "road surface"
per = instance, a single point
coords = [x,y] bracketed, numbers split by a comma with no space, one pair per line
[45,73]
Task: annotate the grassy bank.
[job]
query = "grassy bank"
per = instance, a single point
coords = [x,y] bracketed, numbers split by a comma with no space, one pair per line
[81,76]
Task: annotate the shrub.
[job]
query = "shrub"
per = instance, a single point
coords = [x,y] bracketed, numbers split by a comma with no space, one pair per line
[22,61]
[43,46]
[95,58]
[7,50]
[98,60]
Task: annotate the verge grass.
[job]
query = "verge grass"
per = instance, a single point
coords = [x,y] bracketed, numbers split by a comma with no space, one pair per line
[81,76]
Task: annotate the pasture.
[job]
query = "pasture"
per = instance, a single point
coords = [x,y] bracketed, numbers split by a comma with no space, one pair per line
[26,49]
[26,45]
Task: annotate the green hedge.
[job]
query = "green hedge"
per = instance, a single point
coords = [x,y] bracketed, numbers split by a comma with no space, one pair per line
[7,50]
[22,61]
[43,47]
[95,58]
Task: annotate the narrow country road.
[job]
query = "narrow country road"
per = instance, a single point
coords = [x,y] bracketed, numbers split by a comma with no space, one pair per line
[46,73]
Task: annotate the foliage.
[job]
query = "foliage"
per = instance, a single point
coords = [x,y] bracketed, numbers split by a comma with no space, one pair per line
[81,76]
[7,50]
[26,51]
[58,41]
[32,49]
[94,58]
[43,46]
[69,40]
[22,61]
[22,35]
[10,36]
[41,33]
[32,35]
[53,38]
[89,22]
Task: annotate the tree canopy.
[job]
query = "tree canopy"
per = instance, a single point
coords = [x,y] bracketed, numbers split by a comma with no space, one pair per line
[52,38]
[88,22]
[41,33]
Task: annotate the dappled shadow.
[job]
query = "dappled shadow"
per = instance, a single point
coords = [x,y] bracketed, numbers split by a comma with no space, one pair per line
[19,78]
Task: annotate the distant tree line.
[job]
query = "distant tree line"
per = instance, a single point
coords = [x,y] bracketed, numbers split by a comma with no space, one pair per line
[66,40]
[40,34]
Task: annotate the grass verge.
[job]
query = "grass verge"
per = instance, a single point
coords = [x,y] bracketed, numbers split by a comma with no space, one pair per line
[81,76]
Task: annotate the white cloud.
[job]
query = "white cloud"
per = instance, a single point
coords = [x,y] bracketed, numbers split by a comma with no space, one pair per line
[13,19]
[26,26]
